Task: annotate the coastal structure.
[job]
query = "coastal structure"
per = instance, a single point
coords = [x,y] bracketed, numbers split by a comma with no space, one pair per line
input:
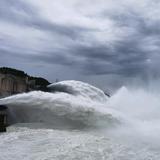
[11,84]
[14,81]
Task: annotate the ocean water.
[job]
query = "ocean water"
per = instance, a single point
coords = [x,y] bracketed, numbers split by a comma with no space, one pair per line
[78,121]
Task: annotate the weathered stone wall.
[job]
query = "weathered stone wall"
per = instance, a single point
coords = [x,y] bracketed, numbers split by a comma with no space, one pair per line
[10,84]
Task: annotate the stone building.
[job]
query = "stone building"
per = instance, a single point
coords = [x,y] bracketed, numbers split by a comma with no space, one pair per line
[11,84]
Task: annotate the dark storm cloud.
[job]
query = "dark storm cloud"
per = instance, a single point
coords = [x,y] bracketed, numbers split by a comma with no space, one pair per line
[22,13]
[132,53]
[15,11]
[125,57]
[53,58]
[147,27]
[46,57]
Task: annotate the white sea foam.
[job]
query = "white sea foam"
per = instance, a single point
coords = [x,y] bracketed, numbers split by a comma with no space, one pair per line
[48,144]
[125,126]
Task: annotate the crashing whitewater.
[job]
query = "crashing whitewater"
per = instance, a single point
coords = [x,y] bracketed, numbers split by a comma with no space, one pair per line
[78,121]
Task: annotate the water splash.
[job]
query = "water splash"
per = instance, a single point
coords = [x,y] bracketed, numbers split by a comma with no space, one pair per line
[72,103]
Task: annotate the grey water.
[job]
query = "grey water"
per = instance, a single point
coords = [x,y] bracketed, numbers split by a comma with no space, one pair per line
[78,121]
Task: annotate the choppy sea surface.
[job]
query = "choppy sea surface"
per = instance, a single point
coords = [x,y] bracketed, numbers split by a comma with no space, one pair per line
[78,121]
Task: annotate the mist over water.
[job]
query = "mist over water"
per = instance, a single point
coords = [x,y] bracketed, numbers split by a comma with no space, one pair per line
[141,108]
[126,124]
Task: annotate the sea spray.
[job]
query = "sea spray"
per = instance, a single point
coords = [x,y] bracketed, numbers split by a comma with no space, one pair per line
[125,126]
[142,112]
[70,104]
[77,104]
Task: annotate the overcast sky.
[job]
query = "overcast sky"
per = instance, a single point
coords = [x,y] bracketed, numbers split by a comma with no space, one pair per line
[107,43]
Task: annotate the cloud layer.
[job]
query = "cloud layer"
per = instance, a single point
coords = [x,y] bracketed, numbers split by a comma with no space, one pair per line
[95,38]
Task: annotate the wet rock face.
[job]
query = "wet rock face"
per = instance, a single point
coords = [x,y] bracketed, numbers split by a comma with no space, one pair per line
[3,107]
[3,118]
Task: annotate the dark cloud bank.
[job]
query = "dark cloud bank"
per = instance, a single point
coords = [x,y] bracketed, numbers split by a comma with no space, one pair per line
[130,51]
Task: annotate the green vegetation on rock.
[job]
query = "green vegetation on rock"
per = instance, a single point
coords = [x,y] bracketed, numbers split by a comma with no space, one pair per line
[15,72]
